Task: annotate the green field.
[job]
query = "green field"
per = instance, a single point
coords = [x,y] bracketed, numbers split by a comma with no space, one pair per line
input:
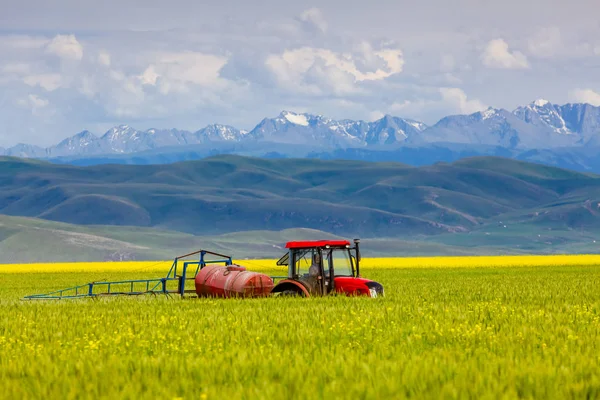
[27,240]
[438,333]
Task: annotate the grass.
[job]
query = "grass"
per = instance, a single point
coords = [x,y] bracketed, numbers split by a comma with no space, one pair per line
[33,240]
[447,328]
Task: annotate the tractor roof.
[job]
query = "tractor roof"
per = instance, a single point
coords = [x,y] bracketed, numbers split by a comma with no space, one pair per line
[316,243]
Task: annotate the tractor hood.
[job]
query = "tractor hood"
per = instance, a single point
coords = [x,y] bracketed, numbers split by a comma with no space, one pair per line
[357,286]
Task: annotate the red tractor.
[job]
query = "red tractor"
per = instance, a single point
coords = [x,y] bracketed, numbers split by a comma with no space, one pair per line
[317,268]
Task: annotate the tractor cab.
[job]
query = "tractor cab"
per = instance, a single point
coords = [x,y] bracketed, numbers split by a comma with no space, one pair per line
[317,268]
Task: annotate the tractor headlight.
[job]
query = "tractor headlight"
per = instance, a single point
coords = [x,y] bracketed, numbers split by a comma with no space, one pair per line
[375,289]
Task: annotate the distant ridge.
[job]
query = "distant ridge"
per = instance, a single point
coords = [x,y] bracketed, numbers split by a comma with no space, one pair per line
[538,125]
[224,194]
[566,136]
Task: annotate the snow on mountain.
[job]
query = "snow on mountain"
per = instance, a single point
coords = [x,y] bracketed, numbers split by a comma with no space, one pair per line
[307,129]
[84,142]
[320,131]
[389,130]
[125,139]
[489,113]
[584,120]
[538,125]
[491,127]
[419,126]
[298,119]
[543,113]
[217,132]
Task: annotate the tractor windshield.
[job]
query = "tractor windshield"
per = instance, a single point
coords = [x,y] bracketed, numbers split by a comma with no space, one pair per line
[342,264]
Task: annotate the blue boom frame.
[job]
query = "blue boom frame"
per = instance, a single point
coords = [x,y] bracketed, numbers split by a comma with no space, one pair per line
[141,286]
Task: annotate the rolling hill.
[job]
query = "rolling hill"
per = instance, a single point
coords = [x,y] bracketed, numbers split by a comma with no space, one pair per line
[24,240]
[224,194]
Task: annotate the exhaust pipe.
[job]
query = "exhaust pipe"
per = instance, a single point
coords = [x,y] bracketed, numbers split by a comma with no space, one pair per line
[356,242]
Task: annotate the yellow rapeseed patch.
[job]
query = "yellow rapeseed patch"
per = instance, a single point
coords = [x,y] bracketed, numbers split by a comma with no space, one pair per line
[482,261]
[368,263]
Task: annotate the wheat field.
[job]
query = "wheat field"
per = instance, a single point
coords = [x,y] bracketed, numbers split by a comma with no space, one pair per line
[448,327]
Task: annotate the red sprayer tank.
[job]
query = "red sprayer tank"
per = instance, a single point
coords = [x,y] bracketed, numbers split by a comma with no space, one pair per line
[232,281]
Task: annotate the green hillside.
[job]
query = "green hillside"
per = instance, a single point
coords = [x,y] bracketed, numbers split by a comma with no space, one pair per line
[35,240]
[168,207]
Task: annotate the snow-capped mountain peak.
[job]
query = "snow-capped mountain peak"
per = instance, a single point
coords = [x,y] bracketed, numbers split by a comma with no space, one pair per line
[306,129]
[487,114]
[80,140]
[540,102]
[297,119]
[393,130]
[218,132]
[416,124]
[119,132]
[543,113]
[537,125]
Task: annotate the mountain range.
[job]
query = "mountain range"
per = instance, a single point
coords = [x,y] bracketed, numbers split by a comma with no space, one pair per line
[287,129]
[560,135]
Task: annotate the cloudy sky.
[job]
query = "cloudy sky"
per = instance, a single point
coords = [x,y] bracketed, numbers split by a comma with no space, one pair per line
[70,65]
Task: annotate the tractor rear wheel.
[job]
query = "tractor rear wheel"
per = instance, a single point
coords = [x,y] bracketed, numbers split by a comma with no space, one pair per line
[291,293]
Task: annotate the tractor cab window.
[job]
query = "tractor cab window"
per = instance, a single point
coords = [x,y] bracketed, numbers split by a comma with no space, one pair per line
[342,264]
[304,260]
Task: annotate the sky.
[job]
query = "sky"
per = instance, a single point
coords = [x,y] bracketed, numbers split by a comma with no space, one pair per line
[73,65]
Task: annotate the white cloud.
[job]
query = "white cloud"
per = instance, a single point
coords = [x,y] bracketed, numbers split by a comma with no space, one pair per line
[395,63]
[88,86]
[498,55]
[16,68]
[448,63]
[190,67]
[66,46]
[451,79]
[149,76]
[585,96]
[104,58]
[172,83]
[546,42]
[337,71]
[239,70]
[33,101]
[375,115]
[49,82]
[314,17]
[457,99]
[398,107]
[22,42]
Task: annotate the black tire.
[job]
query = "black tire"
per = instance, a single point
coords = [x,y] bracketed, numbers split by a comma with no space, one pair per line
[291,293]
